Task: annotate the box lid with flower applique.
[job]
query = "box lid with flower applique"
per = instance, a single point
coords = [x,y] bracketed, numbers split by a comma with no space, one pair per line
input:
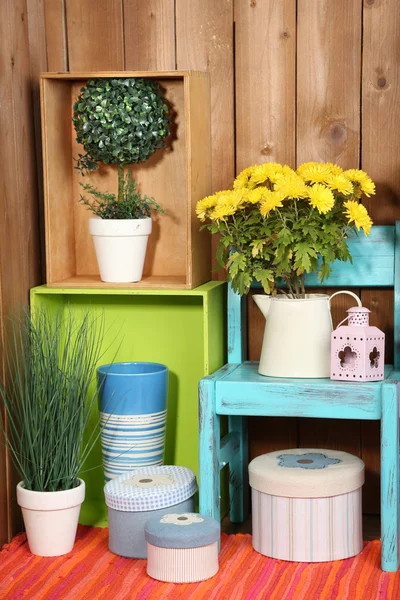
[306,473]
[184,530]
[150,488]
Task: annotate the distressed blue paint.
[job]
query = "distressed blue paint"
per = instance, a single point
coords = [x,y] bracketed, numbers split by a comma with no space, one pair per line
[236,343]
[237,390]
[245,392]
[390,477]
[229,445]
[209,443]
[397,299]
[238,472]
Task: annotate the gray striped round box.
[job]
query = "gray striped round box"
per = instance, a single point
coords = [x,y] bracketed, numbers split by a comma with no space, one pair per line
[145,492]
[306,504]
[182,548]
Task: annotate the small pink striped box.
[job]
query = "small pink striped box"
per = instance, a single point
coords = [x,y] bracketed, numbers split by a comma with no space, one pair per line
[182,548]
[306,504]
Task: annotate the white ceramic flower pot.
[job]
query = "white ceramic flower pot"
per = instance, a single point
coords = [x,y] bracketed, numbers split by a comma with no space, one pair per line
[120,246]
[297,335]
[51,518]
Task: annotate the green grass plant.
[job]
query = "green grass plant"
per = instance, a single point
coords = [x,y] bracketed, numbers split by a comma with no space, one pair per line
[50,362]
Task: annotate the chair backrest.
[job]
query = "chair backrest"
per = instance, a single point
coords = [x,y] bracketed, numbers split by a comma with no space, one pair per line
[376,263]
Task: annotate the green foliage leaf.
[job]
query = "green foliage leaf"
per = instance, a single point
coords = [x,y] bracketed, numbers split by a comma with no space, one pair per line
[130,204]
[266,278]
[236,263]
[104,123]
[50,362]
[303,254]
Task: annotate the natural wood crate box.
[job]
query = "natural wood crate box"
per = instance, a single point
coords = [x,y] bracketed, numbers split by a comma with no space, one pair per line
[178,254]
[183,329]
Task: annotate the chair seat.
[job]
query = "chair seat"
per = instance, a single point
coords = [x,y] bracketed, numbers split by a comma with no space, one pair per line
[240,390]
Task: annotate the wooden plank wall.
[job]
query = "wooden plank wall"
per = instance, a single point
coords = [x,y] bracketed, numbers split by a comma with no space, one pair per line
[291,80]
[19,197]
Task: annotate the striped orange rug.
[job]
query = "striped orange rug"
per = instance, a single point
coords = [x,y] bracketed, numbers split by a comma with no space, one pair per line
[92,572]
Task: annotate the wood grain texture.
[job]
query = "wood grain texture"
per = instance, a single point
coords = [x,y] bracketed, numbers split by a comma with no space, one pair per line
[204,41]
[56,35]
[265,104]
[38,64]
[246,392]
[381,303]
[198,175]
[238,470]
[95,35]
[19,229]
[380,154]
[265,63]
[328,81]
[149,35]
[209,445]
[177,176]
[4,456]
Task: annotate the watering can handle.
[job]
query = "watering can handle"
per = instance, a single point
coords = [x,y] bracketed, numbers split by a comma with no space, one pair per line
[359,303]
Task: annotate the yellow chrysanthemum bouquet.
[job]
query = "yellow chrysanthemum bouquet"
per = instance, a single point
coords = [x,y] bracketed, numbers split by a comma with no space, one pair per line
[278,223]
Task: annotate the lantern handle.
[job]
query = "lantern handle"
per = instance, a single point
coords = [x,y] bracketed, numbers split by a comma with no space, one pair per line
[341,322]
[359,303]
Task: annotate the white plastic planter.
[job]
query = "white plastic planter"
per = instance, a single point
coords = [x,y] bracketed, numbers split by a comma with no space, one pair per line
[51,518]
[120,246]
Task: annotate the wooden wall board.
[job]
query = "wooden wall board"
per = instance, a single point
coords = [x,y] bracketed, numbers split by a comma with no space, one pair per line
[19,228]
[95,37]
[149,35]
[38,63]
[205,41]
[328,81]
[380,150]
[55,35]
[265,65]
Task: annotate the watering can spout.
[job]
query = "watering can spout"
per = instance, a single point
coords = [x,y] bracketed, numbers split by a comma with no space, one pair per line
[263,302]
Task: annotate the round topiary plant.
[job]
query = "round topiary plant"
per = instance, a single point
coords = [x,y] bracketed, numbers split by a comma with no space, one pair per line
[120,122]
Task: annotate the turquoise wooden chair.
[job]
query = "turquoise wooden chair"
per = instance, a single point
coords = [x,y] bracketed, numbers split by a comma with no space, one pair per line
[238,391]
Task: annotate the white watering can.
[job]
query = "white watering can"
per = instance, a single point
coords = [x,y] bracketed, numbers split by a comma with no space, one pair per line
[297,335]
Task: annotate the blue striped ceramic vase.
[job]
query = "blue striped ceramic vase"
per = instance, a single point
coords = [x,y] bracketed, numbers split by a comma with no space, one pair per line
[133,412]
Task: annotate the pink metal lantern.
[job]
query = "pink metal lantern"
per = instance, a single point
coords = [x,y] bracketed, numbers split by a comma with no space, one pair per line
[357,349]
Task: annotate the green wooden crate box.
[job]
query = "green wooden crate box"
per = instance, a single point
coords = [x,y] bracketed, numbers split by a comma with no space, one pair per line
[183,329]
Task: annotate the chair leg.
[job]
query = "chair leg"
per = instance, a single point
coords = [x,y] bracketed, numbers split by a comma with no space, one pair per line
[238,472]
[209,444]
[390,477]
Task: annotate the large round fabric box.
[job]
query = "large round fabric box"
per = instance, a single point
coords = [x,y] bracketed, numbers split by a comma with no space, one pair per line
[145,492]
[306,504]
[182,548]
